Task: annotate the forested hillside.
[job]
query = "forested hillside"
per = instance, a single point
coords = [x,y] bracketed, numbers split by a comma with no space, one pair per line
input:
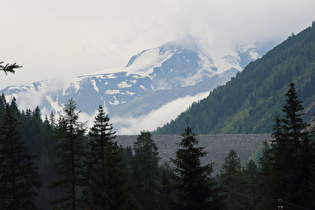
[61,164]
[250,101]
[36,136]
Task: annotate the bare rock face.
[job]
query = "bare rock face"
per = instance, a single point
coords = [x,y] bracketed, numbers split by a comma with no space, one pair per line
[247,146]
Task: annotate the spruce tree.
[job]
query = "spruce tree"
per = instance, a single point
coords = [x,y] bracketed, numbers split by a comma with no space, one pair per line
[100,134]
[193,185]
[19,179]
[52,120]
[251,171]
[3,104]
[70,151]
[3,101]
[291,156]
[292,121]
[230,177]
[290,143]
[231,166]
[264,177]
[109,186]
[166,185]
[146,171]
[9,68]
[14,107]
[108,180]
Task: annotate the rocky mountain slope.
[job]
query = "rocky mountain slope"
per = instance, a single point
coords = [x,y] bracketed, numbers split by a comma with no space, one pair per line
[151,79]
[247,146]
[250,101]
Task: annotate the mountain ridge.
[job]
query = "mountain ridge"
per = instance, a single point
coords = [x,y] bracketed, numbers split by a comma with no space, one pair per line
[249,102]
[182,71]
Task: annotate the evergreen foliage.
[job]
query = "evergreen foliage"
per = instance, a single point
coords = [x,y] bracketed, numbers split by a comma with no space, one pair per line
[249,102]
[166,190]
[146,171]
[100,134]
[231,166]
[109,186]
[70,150]
[9,68]
[252,173]
[108,180]
[291,156]
[19,178]
[37,137]
[193,185]
[98,175]
[238,181]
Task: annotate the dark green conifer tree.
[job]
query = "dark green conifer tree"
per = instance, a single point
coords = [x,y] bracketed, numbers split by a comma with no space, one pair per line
[166,186]
[100,134]
[52,120]
[231,178]
[251,171]
[3,104]
[146,171]
[108,181]
[3,101]
[9,68]
[193,185]
[14,107]
[70,151]
[109,186]
[291,157]
[19,179]
[37,113]
[231,166]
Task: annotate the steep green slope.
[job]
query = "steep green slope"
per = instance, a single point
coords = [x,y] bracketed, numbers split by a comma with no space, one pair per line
[249,102]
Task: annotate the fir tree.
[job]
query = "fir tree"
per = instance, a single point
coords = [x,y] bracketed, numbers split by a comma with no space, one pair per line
[146,171]
[109,186]
[3,101]
[70,150]
[291,143]
[14,107]
[3,104]
[166,186]
[9,68]
[37,113]
[293,123]
[100,134]
[251,169]
[291,156]
[231,166]
[52,120]
[19,180]
[194,186]
[108,181]
[231,177]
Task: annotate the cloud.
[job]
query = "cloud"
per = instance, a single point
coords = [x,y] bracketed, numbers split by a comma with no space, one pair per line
[40,93]
[156,118]
[60,39]
[88,119]
[50,38]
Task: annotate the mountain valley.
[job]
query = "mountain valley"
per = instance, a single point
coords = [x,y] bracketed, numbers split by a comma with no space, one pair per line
[152,79]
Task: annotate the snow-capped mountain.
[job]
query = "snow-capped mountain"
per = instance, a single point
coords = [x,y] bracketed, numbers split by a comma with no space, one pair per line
[152,79]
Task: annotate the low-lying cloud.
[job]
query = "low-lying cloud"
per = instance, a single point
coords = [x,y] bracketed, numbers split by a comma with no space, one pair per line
[125,125]
[156,118]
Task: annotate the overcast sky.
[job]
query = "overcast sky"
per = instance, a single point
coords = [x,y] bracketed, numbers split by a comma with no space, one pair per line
[50,38]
